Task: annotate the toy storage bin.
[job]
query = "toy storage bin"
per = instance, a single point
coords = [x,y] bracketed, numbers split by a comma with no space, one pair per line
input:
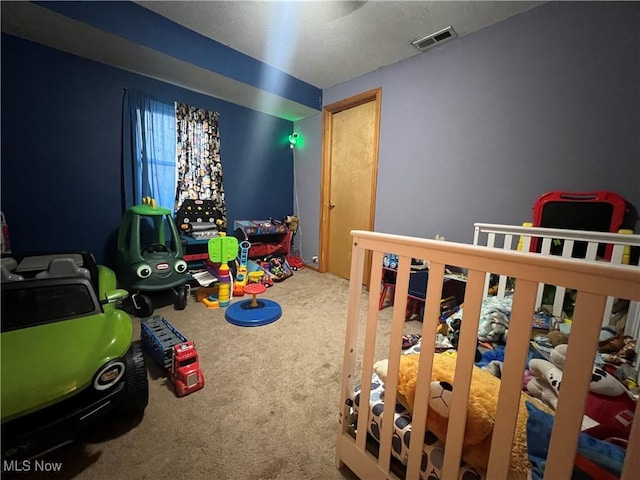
[266,238]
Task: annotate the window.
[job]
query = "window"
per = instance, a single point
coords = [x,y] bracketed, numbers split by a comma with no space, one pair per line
[171,153]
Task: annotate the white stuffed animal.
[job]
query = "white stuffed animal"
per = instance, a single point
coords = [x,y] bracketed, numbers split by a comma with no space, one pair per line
[547,378]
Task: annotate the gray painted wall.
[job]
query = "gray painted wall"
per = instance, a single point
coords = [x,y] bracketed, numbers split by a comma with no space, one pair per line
[478,128]
[307,164]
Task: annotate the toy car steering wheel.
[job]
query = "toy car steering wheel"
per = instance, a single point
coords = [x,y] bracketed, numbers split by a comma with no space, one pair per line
[154,248]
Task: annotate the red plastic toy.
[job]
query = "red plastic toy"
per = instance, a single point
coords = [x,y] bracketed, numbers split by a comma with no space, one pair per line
[172,351]
[266,280]
[599,211]
[254,289]
[185,369]
[295,263]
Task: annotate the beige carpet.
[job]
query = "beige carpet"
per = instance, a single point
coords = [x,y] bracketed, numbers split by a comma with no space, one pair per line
[269,409]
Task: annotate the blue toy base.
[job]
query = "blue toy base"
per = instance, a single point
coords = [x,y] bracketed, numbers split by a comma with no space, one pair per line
[243,315]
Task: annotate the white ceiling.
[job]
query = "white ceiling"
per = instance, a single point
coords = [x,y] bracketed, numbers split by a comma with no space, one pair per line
[328,42]
[320,42]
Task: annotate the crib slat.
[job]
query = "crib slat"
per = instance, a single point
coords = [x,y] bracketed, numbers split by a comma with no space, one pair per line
[581,351]
[464,364]
[544,250]
[508,242]
[476,235]
[546,246]
[502,283]
[632,328]
[558,299]
[592,251]
[567,248]
[491,242]
[631,470]
[502,286]
[363,464]
[617,254]
[524,298]
[349,365]
[368,355]
[429,326]
[391,384]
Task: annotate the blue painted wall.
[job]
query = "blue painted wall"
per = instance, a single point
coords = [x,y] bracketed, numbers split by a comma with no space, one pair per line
[61,150]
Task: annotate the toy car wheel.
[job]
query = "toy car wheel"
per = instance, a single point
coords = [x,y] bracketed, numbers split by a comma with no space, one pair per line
[181,298]
[142,306]
[136,384]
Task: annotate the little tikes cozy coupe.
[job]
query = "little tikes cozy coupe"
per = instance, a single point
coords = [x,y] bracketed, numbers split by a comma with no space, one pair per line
[150,256]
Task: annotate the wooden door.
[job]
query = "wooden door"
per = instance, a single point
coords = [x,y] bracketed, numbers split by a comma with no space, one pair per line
[350,165]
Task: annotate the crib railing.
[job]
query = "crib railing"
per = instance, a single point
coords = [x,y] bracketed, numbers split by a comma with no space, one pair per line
[616,248]
[593,283]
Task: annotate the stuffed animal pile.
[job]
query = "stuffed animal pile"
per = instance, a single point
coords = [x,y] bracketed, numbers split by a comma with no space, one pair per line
[547,378]
[609,403]
[495,315]
[481,413]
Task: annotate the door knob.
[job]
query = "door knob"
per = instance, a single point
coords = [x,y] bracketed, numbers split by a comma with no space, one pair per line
[332,205]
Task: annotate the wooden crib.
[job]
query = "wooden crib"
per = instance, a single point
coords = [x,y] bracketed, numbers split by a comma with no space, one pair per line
[595,282]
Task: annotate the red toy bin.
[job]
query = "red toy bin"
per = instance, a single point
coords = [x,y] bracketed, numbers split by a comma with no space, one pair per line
[599,211]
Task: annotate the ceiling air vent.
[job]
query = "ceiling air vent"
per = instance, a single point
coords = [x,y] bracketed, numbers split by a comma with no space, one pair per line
[435,38]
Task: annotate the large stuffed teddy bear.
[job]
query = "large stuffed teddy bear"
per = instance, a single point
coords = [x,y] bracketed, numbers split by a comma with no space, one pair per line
[481,412]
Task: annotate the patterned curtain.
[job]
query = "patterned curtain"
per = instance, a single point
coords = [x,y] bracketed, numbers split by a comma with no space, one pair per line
[198,165]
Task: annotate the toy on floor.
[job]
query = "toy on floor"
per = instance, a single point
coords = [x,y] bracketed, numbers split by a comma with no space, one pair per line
[295,263]
[208,296]
[255,277]
[68,355]
[172,351]
[241,272]
[254,289]
[149,256]
[222,250]
[254,312]
[260,276]
[278,268]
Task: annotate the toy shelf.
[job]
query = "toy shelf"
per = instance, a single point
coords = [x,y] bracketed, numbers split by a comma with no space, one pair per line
[194,248]
[266,238]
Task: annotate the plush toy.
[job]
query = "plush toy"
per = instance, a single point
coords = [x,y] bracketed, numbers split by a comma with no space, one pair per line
[556,337]
[547,378]
[481,413]
[292,222]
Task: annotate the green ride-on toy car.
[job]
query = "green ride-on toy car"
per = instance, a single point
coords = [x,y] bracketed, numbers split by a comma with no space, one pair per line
[67,354]
[149,257]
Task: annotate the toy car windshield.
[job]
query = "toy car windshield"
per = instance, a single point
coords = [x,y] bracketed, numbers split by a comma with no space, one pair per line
[47,302]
